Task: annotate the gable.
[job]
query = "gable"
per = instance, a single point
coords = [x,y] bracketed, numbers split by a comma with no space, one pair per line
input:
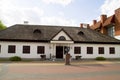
[60,35]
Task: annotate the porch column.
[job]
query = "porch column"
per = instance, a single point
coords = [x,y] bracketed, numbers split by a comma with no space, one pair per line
[53,52]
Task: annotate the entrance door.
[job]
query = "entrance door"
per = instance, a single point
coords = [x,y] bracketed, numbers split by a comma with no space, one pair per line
[59,52]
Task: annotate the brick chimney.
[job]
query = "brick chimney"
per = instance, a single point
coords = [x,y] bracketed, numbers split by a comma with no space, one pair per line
[103,18]
[88,26]
[81,25]
[94,22]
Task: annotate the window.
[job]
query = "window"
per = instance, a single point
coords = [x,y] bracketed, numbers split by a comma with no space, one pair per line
[101,50]
[89,50]
[111,31]
[77,50]
[80,33]
[66,49]
[26,49]
[62,38]
[112,50]
[40,49]
[37,31]
[11,49]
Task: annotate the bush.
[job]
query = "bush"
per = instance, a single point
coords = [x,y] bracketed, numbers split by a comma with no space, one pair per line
[15,58]
[100,58]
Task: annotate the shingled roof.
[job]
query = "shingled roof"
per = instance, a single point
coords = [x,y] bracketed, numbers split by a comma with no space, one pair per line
[38,33]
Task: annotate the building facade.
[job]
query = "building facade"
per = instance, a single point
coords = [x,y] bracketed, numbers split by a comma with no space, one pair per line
[32,41]
[108,25]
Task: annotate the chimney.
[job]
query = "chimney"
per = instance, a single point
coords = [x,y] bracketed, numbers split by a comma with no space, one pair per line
[94,22]
[88,26]
[81,25]
[26,22]
[103,18]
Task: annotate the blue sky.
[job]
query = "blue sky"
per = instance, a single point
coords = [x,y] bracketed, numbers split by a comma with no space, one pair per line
[55,12]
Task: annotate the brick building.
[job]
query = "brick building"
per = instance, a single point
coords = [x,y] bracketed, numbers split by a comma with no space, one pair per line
[108,25]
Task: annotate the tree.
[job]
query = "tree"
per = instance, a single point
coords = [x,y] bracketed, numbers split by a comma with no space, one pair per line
[2,26]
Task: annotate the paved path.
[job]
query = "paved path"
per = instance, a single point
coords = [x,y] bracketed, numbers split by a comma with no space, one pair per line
[58,71]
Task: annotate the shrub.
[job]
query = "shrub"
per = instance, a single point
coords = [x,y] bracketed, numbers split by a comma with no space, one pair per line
[100,58]
[15,58]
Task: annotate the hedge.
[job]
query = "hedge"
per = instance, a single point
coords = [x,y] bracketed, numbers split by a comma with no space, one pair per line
[15,58]
[100,58]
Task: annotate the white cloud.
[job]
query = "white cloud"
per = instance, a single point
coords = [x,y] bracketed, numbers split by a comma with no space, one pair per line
[11,14]
[57,21]
[14,13]
[109,6]
[61,2]
[18,16]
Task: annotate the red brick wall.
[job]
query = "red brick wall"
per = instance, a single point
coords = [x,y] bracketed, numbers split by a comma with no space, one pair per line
[117,22]
[103,30]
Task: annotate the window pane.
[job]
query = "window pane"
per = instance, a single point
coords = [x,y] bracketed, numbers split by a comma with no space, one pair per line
[26,49]
[89,50]
[40,49]
[111,31]
[112,50]
[101,50]
[77,50]
[11,49]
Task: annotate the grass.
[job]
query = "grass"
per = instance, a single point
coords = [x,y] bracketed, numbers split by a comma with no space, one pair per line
[4,59]
[50,61]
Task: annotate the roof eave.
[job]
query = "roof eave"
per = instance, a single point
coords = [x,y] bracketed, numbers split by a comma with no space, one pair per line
[25,40]
[93,42]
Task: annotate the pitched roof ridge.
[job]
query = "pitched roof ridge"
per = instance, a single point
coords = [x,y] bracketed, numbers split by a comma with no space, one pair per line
[42,25]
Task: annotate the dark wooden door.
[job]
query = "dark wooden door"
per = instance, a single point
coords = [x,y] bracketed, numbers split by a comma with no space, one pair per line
[59,52]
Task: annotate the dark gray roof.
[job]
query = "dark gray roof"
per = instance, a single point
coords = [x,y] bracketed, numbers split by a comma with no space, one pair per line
[21,32]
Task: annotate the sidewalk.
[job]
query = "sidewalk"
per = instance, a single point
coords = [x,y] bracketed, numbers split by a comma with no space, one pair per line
[57,70]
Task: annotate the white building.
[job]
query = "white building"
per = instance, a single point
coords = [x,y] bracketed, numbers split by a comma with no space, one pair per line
[32,41]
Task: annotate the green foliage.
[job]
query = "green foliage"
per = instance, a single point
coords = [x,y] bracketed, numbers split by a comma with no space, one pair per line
[2,26]
[3,59]
[15,58]
[100,58]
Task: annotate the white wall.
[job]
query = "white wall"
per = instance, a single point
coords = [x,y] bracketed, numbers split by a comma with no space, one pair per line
[19,49]
[95,50]
[117,37]
[51,48]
